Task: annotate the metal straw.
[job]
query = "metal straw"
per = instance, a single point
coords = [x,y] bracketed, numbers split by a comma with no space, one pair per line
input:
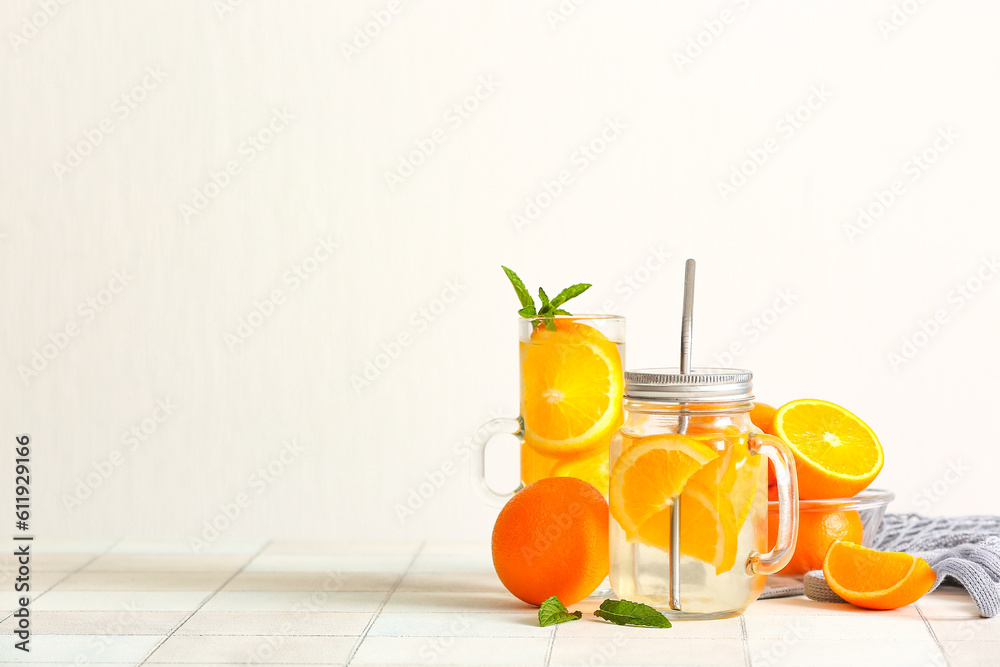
[687,324]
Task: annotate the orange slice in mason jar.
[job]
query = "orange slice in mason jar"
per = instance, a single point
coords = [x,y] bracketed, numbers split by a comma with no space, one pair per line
[572,389]
[740,483]
[646,477]
[717,501]
[708,526]
[735,474]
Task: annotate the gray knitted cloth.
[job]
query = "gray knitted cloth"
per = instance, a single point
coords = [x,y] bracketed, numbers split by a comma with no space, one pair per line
[966,549]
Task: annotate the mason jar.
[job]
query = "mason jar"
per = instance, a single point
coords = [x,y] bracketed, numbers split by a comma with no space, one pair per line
[688,494]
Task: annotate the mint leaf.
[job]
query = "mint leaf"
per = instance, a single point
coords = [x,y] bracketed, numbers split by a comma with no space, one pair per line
[552,611]
[569,293]
[623,612]
[522,292]
[550,307]
[545,301]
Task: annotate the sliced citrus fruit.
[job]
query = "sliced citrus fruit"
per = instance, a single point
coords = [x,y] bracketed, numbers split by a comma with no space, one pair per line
[572,389]
[647,475]
[735,473]
[740,482]
[708,526]
[876,579]
[836,454]
[722,495]
[591,469]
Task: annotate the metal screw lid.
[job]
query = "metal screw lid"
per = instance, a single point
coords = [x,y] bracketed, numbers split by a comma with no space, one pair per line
[700,385]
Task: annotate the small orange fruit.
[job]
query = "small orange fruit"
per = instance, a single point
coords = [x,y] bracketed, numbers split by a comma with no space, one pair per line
[817,531]
[571,396]
[551,538]
[876,579]
[836,454]
[762,416]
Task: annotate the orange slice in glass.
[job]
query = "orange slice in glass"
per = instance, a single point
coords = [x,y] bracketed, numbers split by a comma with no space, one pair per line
[708,526]
[572,391]
[591,469]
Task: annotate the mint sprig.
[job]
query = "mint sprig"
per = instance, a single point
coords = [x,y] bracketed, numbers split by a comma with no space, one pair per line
[552,611]
[550,308]
[527,303]
[623,612]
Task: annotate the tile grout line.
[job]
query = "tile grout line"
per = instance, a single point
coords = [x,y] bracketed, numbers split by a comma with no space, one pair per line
[69,574]
[937,643]
[385,601]
[184,620]
[552,643]
[746,641]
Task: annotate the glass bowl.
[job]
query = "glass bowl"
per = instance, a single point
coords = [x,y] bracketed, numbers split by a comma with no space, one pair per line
[870,505]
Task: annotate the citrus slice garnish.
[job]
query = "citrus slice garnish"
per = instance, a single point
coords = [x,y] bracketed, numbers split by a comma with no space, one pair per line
[572,391]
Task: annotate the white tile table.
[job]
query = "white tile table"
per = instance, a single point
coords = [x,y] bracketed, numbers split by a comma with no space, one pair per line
[314,603]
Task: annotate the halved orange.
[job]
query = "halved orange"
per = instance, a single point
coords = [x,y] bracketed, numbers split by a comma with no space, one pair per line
[647,476]
[572,389]
[592,469]
[876,579]
[836,454]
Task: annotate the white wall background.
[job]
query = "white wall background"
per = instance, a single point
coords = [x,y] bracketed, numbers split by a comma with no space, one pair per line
[322,176]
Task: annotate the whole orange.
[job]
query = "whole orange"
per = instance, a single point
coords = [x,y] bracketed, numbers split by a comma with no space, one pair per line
[551,538]
[817,531]
[762,416]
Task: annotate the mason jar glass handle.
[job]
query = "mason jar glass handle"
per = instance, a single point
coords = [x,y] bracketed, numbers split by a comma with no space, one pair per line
[777,451]
[486,432]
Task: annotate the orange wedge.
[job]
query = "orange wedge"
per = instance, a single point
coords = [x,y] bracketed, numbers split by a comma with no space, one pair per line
[592,469]
[572,389]
[836,454]
[876,579]
[645,478]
